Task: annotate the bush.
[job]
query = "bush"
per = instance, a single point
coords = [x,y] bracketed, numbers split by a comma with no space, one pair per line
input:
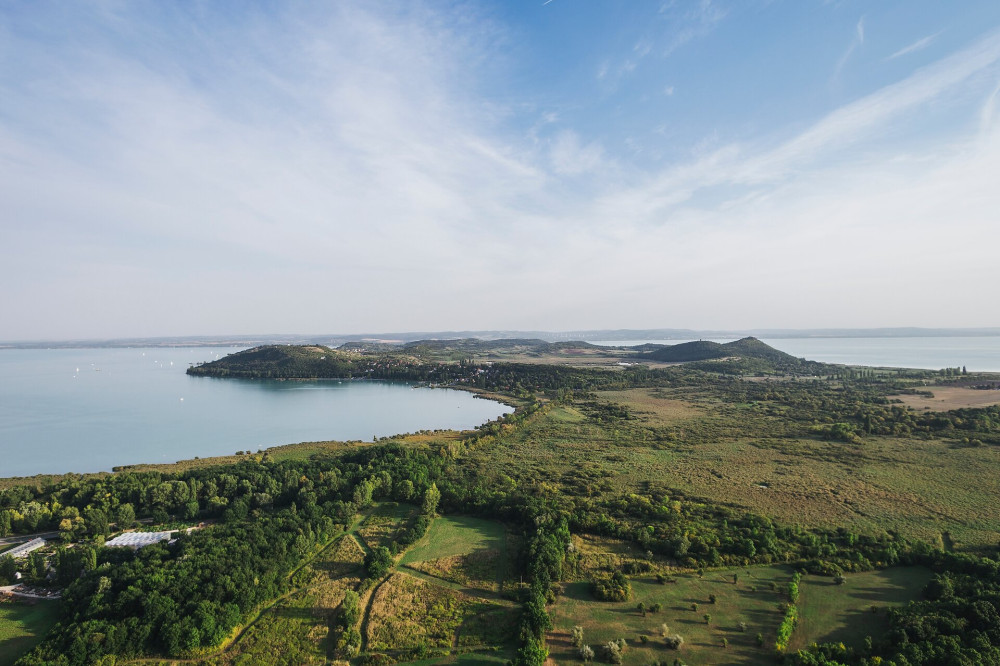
[615,650]
[674,642]
[587,653]
[616,588]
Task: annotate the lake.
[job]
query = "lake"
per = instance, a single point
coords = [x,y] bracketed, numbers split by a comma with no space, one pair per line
[976,353]
[88,410]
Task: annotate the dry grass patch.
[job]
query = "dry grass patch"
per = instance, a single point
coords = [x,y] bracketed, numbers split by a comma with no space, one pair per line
[383,525]
[407,614]
[951,397]
[656,406]
[476,570]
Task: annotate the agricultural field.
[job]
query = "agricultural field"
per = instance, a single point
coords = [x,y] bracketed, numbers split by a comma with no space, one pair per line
[22,626]
[467,551]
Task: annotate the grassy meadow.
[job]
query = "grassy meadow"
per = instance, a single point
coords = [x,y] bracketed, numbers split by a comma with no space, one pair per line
[831,613]
[22,626]
[689,442]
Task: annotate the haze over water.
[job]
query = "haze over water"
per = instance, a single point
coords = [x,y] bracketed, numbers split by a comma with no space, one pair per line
[87,410]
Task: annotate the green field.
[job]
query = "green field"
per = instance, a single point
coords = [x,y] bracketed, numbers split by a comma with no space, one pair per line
[22,626]
[456,535]
[831,613]
[751,601]
[827,612]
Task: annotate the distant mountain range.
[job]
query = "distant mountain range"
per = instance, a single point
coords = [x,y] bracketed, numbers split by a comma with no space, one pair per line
[624,335]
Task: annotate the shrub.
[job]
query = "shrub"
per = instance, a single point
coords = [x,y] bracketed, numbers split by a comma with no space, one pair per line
[587,653]
[674,642]
[616,588]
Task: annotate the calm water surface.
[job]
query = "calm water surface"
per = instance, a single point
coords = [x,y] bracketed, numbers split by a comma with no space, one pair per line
[976,353]
[86,410]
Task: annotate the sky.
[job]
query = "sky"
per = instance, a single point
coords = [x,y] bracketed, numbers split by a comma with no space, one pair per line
[212,168]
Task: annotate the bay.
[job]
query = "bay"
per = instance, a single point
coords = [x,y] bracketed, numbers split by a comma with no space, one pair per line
[978,354]
[88,410]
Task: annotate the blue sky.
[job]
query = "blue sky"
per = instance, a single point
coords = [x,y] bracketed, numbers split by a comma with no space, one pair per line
[213,168]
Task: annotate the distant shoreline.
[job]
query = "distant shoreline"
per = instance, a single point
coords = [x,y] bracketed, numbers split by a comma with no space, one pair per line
[233,341]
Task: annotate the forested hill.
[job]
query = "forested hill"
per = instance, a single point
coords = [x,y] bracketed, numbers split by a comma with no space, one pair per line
[290,361]
[740,356]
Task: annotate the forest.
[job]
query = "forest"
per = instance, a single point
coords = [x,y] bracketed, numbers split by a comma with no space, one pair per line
[596,478]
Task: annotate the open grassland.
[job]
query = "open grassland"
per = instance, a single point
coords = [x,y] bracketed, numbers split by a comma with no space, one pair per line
[752,600]
[23,625]
[467,551]
[411,614]
[944,398]
[692,444]
[844,613]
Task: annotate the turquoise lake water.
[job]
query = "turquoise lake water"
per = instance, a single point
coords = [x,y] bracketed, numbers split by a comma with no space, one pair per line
[87,410]
[980,354]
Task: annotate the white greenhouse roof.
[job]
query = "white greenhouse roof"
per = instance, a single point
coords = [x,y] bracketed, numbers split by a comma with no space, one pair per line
[138,539]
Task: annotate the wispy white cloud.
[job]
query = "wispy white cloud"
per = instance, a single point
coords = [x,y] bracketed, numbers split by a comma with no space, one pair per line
[918,45]
[344,174]
[570,157]
[692,22]
[856,42]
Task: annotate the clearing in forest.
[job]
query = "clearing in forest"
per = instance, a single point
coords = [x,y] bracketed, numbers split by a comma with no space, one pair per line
[385,523]
[831,613]
[463,550]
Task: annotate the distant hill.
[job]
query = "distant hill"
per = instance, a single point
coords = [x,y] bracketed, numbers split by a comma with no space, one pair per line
[444,350]
[283,362]
[706,350]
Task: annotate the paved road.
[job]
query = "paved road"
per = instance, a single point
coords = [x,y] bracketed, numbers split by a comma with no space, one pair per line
[24,538]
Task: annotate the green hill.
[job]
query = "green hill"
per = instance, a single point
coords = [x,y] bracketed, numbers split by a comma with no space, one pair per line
[745,349]
[284,362]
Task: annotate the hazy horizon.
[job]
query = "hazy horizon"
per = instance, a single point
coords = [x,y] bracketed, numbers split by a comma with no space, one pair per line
[540,166]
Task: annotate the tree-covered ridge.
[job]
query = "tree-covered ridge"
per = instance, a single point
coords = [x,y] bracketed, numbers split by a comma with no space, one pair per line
[705,350]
